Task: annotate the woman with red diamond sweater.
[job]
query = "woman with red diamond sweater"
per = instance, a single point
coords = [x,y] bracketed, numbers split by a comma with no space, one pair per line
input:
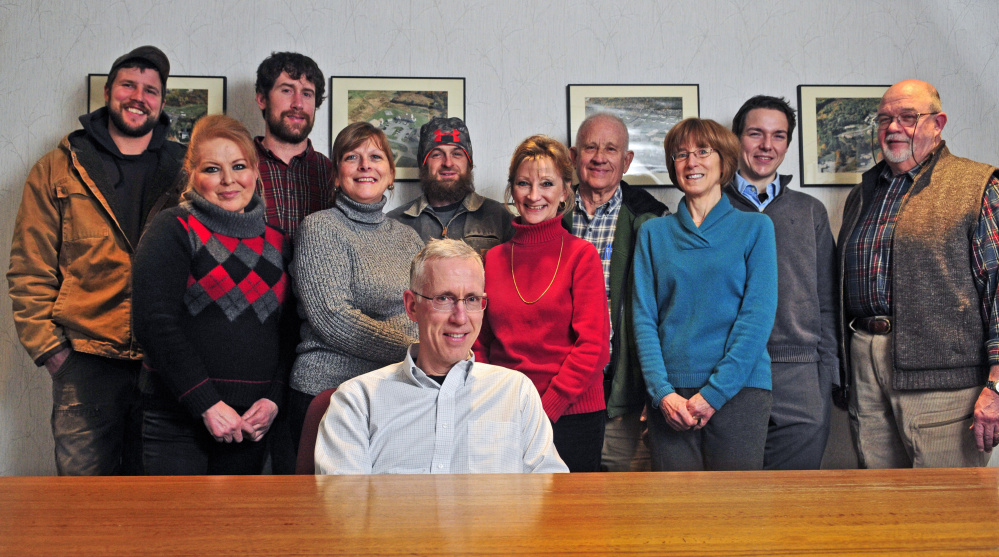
[547,315]
[209,282]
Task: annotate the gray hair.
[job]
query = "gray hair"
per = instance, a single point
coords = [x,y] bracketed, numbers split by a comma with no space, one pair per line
[444,248]
[601,115]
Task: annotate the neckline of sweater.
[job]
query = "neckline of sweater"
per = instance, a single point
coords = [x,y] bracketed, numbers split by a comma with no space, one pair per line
[366,213]
[547,231]
[248,224]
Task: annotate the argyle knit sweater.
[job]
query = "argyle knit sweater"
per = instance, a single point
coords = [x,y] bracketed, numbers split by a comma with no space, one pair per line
[209,285]
[561,341]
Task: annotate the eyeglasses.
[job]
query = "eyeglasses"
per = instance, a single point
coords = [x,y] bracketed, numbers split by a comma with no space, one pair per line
[446,302]
[906,119]
[698,153]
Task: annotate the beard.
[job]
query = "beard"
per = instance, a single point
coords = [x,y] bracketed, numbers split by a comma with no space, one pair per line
[898,157]
[118,120]
[445,193]
[283,131]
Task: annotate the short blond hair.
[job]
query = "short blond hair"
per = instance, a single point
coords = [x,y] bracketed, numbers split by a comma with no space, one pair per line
[538,147]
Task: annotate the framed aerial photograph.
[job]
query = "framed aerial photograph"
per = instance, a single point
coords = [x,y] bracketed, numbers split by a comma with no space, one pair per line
[188,97]
[649,112]
[397,105]
[839,137]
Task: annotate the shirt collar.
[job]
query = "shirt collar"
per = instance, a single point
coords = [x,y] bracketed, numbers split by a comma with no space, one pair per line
[749,190]
[460,369]
[259,141]
[612,205]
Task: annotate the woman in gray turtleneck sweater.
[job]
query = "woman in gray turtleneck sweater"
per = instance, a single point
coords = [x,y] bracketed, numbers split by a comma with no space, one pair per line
[350,269]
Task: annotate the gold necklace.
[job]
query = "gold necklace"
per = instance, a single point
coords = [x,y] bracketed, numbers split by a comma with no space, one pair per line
[557,263]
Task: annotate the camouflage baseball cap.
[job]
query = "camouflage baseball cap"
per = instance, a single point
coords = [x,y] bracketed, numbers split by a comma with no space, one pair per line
[443,131]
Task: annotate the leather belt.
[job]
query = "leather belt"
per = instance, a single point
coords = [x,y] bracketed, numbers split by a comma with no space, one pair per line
[877,325]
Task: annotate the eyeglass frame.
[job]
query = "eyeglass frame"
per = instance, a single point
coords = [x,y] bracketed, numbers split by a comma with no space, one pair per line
[877,119]
[453,300]
[688,154]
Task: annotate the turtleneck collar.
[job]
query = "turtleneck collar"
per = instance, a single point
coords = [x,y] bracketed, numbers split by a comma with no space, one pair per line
[366,213]
[546,231]
[248,224]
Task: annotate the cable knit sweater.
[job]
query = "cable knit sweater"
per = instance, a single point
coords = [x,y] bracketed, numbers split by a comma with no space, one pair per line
[350,269]
[562,341]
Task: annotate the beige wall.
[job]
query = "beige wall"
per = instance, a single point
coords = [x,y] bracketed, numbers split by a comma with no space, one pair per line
[517,57]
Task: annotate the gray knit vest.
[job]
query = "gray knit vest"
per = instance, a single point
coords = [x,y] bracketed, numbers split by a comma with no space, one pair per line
[939,334]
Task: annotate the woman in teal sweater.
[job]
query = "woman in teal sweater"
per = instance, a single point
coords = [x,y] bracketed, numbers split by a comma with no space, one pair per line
[704,304]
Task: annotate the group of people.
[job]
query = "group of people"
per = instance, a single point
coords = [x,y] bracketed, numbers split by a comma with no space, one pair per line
[191,304]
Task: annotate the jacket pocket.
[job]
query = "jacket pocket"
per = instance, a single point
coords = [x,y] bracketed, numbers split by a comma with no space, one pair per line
[82,214]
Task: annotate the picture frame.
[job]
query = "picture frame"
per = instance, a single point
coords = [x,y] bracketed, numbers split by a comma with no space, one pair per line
[837,141]
[649,111]
[399,106]
[188,97]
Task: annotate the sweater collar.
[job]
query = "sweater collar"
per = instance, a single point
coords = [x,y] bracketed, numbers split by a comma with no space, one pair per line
[546,231]
[367,213]
[723,207]
[248,224]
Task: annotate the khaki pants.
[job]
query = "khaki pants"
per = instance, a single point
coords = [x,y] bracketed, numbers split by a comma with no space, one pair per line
[624,450]
[903,429]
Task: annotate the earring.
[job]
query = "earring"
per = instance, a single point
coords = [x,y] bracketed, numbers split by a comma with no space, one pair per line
[561,206]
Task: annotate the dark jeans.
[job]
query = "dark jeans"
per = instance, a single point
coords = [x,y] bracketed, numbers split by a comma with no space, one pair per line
[733,439]
[97,416]
[176,444]
[298,407]
[579,440]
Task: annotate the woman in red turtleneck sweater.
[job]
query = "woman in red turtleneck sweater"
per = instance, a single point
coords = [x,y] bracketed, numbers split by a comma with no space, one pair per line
[547,313]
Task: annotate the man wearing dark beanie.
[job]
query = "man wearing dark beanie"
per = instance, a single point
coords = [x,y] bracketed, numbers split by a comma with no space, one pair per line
[84,206]
[449,206]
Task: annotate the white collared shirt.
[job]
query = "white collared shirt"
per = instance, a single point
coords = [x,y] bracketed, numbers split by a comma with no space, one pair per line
[396,420]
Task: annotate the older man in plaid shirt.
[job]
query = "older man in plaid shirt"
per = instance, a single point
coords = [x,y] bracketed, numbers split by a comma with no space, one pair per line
[608,213]
[920,276]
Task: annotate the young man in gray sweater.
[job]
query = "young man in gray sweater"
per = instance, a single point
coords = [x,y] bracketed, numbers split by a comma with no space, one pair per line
[802,346]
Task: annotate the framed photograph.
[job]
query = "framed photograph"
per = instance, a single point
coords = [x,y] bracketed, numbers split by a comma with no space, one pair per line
[839,137]
[188,97]
[649,112]
[397,105]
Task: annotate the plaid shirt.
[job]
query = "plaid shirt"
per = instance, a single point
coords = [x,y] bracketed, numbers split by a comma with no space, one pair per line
[296,190]
[868,268]
[599,229]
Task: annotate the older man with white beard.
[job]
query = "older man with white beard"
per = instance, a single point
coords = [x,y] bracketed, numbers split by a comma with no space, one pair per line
[919,263]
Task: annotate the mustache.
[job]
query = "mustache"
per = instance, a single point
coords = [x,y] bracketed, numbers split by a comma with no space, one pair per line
[897,137]
[139,105]
[295,113]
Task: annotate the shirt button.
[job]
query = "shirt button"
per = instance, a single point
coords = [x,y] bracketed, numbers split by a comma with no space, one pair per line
[444,426]
[440,466]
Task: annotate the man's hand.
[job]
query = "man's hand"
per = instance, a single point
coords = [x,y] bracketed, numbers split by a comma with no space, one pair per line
[986,423]
[56,360]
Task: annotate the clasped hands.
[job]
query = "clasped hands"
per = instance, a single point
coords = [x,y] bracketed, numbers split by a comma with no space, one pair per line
[685,414]
[226,425]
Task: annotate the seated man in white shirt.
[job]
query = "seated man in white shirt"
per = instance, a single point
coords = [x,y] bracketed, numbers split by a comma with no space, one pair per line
[438,411]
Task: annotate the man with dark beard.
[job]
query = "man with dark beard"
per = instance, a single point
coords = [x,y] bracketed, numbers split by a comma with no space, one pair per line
[84,206]
[297,180]
[449,206]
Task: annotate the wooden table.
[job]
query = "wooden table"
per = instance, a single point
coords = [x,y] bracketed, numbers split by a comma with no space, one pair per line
[901,512]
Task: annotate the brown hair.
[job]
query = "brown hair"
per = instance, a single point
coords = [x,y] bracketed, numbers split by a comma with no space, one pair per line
[355,135]
[539,147]
[218,126]
[703,133]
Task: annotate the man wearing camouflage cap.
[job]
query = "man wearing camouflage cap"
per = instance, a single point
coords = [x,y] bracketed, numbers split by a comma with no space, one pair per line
[449,206]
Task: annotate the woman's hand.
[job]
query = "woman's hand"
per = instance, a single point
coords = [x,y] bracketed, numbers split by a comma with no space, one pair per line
[258,419]
[674,409]
[223,423]
[700,410]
